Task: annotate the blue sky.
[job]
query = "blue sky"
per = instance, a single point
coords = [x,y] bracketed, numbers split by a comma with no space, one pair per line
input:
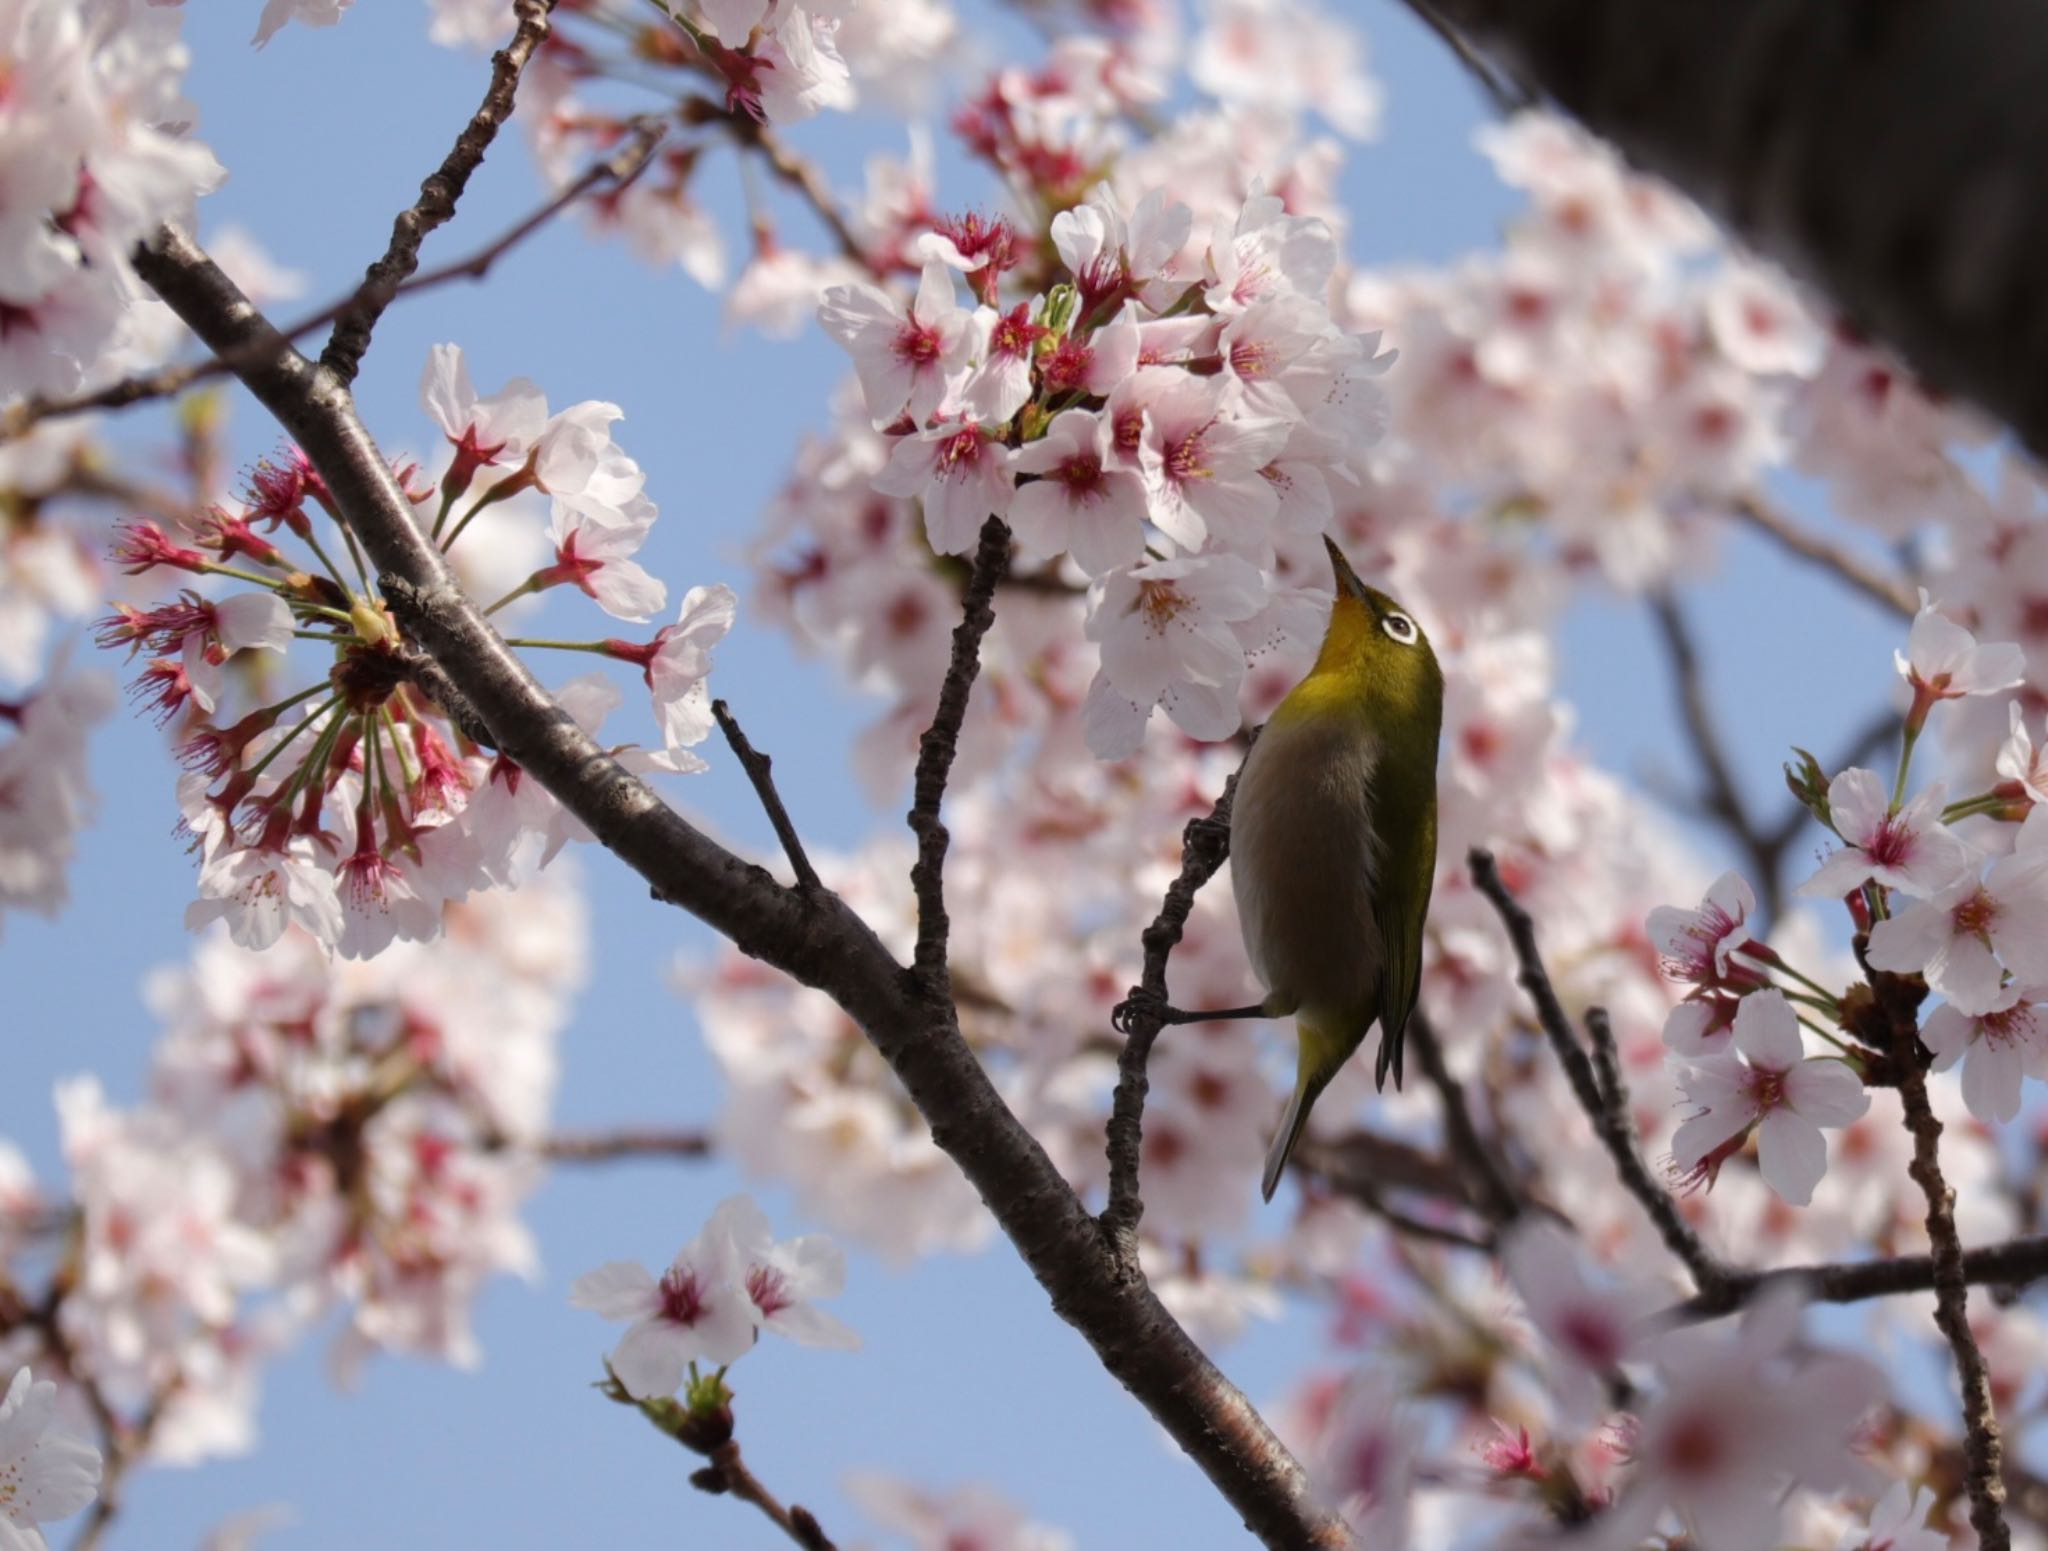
[966,1374]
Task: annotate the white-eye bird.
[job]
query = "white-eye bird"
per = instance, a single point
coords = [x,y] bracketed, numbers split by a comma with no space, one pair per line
[1333,844]
[1333,849]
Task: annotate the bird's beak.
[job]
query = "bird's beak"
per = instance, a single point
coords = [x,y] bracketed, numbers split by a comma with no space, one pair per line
[1348,583]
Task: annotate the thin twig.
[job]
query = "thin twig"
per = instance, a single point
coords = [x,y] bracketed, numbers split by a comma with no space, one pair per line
[1493,1193]
[438,194]
[1722,799]
[801,177]
[1876,584]
[759,768]
[727,1472]
[628,1142]
[1204,847]
[1609,1119]
[1983,1449]
[621,167]
[1385,1163]
[935,751]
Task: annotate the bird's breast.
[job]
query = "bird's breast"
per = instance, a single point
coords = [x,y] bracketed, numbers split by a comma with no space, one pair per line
[1303,859]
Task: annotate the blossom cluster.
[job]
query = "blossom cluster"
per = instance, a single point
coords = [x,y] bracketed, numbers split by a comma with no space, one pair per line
[723,1289]
[318,1136]
[94,153]
[45,791]
[356,806]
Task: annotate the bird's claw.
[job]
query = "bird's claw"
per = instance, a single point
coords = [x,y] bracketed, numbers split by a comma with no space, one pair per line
[1140,1007]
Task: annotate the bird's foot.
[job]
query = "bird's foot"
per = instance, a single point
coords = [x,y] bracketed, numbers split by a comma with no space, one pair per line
[1141,1008]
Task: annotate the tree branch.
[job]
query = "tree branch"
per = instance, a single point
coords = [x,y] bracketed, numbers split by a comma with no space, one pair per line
[1606,1109]
[935,751]
[2011,1265]
[728,1472]
[1982,1448]
[1722,799]
[627,1142]
[438,194]
[1888,592]
[814,937]
[759,768]
[1204,847]
[1887,151]
[1493,1193]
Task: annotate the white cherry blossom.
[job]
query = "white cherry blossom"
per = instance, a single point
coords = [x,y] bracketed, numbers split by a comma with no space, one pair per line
[908,359]
[1998,1046]
[1952,936]
[1081,502]
[45,1474]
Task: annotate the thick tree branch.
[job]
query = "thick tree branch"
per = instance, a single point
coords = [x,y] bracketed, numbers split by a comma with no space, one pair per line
[1204,847]
[1889,151]
[1606,1108]
[438,194]
[935,751]
[1983,1449]
[813,937]
[760,771]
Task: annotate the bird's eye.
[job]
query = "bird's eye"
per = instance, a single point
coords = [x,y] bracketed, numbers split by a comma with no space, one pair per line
[1400,627]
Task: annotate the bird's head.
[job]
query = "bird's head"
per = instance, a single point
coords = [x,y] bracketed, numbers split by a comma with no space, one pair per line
[1376,646]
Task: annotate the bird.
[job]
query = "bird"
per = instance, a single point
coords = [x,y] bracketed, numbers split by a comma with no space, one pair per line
[1333,844]
[1333,847]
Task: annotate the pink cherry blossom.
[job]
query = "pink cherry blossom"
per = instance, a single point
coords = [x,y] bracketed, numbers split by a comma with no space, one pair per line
[1773,1088]
[1911,850]
[1695,944]
[496,432]
[1201,462]
[783,1278]
[1081,503]
[908,360]
[961,473]
[1998,1046]
[260,889]
[1952,936]
[1595,1328]
[1365,1460]
[594,554]
[678,672]
[698,1310]
[1898,1522]
[1165,634]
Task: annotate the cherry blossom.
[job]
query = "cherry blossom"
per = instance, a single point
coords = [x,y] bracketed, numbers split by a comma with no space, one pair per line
[2019,761]
[1998,1045]
[45,1474]
[724,1285]
[1081,502]
[1596,1329]
[498,432]
[1909,850]
[1734,1420]
[1773,1088]
[1365,1458]
[1898,1522]
[1696,944]
[960,472]
[1942,661]
[908,359]
[1952,935]
[1164,630]
[1201,466]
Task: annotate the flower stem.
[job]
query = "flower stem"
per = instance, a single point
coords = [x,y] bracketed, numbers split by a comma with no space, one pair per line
[1911,737]
[532,584]
[598,647]
[297,727]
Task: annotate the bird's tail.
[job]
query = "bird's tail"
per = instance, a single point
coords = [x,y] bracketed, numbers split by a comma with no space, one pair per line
[1317,1063]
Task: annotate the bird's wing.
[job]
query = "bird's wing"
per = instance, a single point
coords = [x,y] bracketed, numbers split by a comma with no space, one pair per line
[1407,820]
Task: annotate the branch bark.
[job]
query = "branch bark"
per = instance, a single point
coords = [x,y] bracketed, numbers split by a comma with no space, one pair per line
[1605,1106]
[813,937]
[438,194]
[2011,1265]
[1886,150]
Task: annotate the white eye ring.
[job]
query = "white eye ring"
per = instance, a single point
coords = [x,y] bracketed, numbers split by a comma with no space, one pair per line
[1400,627]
